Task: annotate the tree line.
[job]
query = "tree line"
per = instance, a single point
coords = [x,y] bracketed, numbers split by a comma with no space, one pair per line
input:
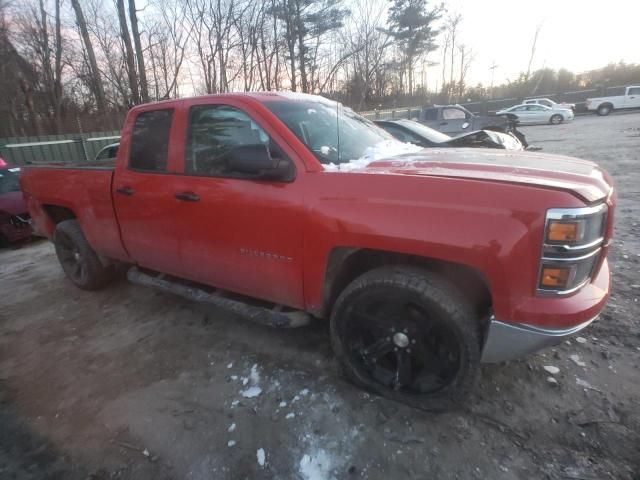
[80,64]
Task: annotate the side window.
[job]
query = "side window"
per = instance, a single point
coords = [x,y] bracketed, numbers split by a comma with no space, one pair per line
[546,103]
[214,131]
[430,114]
[453,114]
[529,101]
[520,109]
[103,154]
[150,141]
[401,135]
[634,91]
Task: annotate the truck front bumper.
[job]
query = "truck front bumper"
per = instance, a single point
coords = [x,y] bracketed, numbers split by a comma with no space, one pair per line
[508,341]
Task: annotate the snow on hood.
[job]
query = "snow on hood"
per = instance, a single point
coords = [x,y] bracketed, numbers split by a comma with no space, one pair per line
[382,150]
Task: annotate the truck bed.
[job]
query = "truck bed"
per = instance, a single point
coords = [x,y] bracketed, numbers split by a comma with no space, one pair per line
[80,192]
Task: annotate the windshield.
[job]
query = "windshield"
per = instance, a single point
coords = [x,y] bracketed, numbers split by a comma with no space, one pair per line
[334,133]
[9,180]
[424,131]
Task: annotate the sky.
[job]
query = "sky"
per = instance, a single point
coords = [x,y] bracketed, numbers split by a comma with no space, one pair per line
[576,35]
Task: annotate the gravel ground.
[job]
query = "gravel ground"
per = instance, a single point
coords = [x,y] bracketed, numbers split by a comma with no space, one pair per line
[130,383]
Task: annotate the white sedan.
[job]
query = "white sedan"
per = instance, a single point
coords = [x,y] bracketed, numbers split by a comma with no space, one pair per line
[538,114]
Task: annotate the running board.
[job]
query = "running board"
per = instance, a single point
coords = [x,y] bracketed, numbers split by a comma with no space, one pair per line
[264,316]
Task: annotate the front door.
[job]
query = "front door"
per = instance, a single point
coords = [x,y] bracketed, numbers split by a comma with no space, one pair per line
[453,120]
[633,98]
[237,233]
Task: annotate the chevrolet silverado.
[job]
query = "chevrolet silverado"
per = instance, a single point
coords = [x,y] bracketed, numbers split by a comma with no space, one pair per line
[283,207]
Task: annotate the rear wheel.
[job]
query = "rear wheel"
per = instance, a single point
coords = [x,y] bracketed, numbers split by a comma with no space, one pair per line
[604,110]
[409,335]
[556,119]
[78,260]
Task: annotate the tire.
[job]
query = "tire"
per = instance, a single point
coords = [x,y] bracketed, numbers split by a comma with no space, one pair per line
[604,110]
[78,260]
[409,335]
[556,119]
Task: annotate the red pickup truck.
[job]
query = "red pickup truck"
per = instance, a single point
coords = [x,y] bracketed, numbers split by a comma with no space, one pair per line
[426,262]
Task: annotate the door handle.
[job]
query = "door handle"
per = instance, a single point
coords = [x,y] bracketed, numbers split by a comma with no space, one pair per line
[127,191]
[443,123]
[187,196]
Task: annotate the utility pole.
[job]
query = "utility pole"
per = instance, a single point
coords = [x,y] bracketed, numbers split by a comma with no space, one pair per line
[493,71]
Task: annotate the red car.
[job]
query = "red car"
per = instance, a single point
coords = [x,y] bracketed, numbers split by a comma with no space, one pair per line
[426,262]
[14,215]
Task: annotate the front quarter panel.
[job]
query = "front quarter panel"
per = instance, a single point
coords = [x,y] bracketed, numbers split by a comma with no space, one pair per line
[493,227]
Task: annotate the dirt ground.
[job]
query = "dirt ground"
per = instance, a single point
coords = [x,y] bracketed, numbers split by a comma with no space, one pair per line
[132,384]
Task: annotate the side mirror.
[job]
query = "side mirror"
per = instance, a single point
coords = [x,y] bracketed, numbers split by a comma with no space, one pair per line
[251,159]
[256,161]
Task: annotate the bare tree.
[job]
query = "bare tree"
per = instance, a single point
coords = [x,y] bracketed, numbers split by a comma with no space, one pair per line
[126,40]
[142,72]
[96,78]
[533,51]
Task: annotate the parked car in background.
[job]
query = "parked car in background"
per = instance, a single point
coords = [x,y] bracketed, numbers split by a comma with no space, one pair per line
[547,102]
[14,215]
[110,152]
[455,119]
[425,262]
[604,105]
[410,131]
[535,114]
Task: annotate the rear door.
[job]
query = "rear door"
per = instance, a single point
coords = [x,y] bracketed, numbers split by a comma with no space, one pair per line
[235,232]
[142,192]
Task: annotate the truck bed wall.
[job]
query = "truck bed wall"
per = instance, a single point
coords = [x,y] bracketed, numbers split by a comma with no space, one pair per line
[86,193]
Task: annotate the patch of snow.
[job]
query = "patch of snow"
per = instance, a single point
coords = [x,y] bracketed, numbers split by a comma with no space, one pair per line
[231,428]
[251,392]
[290,415]
[551,369]
[254,375]
[304,392]
[282,404]
[230,365]
[235,402]
[576,359]
[231,443]
[260,456]
[295,399]
[581,340]
[245,380]
[382,150]
[234,377]
[316,466]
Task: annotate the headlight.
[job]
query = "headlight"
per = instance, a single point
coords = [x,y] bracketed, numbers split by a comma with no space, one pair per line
[573,240]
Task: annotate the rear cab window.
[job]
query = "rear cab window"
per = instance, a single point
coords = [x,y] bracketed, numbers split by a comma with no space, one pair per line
[150,141]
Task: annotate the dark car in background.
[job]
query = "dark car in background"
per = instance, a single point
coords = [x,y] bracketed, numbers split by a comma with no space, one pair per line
[455,119]
[413,132]
[14,217]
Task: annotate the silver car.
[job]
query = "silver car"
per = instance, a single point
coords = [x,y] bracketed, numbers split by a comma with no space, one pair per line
[538,114]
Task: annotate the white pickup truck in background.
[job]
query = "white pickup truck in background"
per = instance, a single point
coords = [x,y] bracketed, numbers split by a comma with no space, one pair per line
[603,105]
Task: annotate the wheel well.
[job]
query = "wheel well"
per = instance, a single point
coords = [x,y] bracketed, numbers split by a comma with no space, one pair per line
[58,214]
[606,104]
[346,264]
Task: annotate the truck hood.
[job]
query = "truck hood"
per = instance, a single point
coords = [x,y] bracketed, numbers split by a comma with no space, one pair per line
[13,203]
[581,177]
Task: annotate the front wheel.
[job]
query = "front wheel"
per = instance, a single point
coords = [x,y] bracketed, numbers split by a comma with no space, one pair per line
[409,335]
[604,110]
[79,262]
[556,119]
